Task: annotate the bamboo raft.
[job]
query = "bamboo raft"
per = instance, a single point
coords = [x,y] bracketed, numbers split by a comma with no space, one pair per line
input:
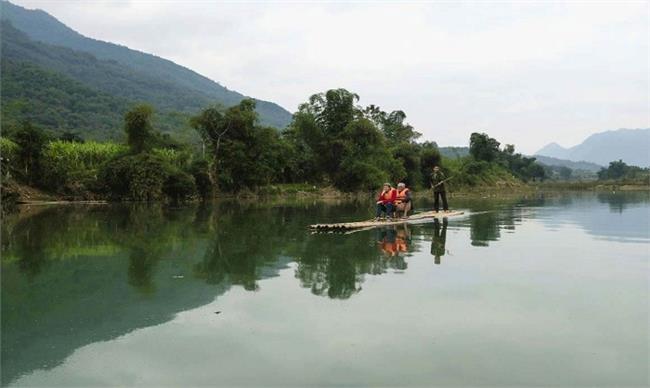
[416,218]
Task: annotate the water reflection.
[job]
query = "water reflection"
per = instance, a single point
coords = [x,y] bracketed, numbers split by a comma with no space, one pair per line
[625,218]
[439,240]
[72,276]
[618,202]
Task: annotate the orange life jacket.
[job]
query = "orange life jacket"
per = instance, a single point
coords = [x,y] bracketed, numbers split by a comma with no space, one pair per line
[401,195]
[387,196]
[401,244]
[390,248]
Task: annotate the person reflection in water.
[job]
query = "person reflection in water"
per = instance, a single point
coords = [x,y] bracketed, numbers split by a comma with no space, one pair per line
[394,243]
[439,239]
[388,241]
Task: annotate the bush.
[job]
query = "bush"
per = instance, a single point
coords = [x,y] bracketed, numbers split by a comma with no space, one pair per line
[146,177]
[200,170]
[138,177]
[179,186]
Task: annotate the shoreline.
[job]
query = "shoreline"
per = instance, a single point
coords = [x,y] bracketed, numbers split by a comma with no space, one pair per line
[39,198]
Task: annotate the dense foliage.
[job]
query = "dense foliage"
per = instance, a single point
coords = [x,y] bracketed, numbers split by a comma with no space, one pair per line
[356,148]
[331,141]
[73,166]
[619,170]
[483,148]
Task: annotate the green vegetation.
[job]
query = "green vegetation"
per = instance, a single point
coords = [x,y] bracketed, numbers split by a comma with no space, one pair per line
[488,164]
[60,80]
[73,166]
[331,142]
[619,170]
[618,173]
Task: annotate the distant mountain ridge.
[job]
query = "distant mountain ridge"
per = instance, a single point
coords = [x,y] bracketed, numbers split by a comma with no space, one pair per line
[630,145]
[555,162]
[37,39]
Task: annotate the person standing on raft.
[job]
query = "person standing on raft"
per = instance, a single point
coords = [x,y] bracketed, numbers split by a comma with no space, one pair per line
[438,179]
[386,202]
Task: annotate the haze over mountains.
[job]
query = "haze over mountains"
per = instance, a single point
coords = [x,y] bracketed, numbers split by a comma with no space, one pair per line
[630,145]
[60,79]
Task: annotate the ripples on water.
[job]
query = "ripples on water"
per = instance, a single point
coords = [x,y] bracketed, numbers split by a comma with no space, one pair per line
[542,291]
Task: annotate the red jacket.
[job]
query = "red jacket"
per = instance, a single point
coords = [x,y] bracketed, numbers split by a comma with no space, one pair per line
[387,197]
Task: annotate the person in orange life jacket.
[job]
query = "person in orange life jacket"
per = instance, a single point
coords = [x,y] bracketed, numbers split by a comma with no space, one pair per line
[386,202]
[403,202]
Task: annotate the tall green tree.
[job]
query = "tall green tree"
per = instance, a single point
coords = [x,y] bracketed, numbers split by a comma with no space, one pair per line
[31,142]
[483,148]
[138,128]
[347,142]
[616,170]
[243,154]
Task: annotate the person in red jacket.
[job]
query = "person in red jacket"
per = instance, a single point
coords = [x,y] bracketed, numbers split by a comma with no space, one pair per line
[386,202]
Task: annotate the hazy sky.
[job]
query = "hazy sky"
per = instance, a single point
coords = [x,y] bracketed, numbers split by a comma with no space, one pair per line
[527,73]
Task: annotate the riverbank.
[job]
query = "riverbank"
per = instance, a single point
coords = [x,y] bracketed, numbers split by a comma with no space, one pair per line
[19,194]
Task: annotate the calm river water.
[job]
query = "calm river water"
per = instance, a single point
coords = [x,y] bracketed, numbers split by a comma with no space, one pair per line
[540,291]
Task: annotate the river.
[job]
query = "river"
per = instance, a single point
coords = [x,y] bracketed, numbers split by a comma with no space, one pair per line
[538,291]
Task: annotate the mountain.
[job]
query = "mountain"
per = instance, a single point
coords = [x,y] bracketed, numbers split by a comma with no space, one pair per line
[36,46]
[630,145]
[556,162]
[553,150]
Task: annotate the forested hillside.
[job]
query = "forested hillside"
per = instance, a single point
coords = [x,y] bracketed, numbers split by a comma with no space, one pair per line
[55,101]
[50,50]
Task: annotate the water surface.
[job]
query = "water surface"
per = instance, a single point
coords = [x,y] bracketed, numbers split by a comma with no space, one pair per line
[537,291]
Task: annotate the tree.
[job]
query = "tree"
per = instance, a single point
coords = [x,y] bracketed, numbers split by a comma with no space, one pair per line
[616,170]
[243,154]
[366,162]
[354,147]
[565,172]
[319,124]
[535,171]
[396,130]
[31,141]
[138,128]
[429,158]
[483,147]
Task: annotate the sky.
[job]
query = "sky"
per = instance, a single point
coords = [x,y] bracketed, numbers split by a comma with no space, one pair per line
[527,73]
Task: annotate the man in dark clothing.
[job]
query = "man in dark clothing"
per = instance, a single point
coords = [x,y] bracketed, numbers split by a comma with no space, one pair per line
[439,239]
[439,191]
